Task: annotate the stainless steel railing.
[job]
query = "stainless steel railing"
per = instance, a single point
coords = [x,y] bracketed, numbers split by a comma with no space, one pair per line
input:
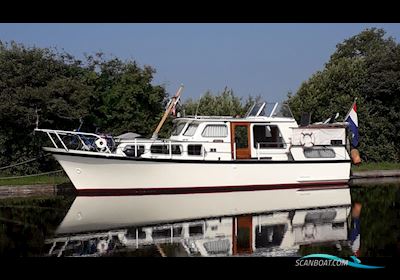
[85,139]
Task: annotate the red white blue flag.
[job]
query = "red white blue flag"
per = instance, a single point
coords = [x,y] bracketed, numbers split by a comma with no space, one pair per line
[352,121]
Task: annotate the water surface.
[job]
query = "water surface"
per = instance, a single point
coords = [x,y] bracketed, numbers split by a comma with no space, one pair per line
[362,219]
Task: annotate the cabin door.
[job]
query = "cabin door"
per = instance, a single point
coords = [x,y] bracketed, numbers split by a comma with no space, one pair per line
[242,235]
[240,134]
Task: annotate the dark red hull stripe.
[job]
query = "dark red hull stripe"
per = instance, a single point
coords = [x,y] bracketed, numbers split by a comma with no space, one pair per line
[186,190]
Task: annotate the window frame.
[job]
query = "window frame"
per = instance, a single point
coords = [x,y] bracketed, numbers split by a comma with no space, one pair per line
[319,148]
[177,124]
[187,128]
[165,147]
[210,124]
[254,146]
[201,149]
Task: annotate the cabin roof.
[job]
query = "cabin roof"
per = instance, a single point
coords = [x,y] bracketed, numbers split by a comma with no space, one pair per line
[324,125]
[233,119]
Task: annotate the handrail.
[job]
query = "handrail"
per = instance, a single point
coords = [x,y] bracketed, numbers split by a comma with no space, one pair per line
[147,143]
[66,132]
[166,141]
[57,133]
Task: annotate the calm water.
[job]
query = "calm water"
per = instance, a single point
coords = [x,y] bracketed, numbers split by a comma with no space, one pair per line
[361,220]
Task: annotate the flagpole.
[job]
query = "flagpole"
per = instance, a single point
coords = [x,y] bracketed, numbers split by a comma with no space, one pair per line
[352,106]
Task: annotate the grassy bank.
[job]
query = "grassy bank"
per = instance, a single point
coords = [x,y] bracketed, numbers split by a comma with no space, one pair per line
[43,179]
[376,166]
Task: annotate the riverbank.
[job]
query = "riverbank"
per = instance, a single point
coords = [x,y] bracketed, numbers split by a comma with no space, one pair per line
[376,166]
[36,190]
[375,173]
[45,179]
[27,190]
[376,170]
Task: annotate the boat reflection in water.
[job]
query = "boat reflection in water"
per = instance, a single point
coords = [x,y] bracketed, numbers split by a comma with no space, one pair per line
[256,223]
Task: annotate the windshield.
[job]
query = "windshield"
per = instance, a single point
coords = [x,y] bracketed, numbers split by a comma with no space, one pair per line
[191,129]
[254,110]
[264,109]
[282,110]
[177,128]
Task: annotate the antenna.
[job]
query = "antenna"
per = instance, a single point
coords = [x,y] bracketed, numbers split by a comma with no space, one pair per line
[37,118]
[197,109]
[198,105]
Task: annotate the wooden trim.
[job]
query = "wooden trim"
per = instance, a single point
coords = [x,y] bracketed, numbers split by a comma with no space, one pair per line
[234,237]
[246,222]
[245,153]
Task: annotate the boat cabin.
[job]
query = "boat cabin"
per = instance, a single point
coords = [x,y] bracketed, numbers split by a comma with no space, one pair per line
[278,233]
[265,132]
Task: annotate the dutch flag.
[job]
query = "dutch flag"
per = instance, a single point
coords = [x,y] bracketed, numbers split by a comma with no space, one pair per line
[352,120]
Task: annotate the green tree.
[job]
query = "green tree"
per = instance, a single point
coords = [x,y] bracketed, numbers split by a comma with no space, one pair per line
[124,98]
[366,66]
[30,79]
[225,103]
[116,96]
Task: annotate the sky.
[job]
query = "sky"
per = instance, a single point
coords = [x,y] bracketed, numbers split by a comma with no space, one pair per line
[252,59]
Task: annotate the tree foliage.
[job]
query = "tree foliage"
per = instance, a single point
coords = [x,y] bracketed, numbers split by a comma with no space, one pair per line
[124,98]
[366,66]
[111,94]
[225,103]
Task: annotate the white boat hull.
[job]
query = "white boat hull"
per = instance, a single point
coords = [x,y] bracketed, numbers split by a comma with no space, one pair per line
[111,212]
[100,173]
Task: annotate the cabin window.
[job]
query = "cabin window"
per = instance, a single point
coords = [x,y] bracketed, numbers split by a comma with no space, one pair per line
[177,128]
[269,235]
[194,150]
[161,233]
[191,129]
[195,230]
[320,217]
[319,152]
[336,142]
[243,238]
[132,233]
[268,136]
[337,225]
[177,230]
[241,136]
[164,149]
[215,130]
[130,150]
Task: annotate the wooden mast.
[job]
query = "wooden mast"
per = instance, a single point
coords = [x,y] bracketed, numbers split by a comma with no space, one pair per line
[172,103]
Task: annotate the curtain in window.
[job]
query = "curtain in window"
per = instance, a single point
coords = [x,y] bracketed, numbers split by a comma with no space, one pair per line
[215,131]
